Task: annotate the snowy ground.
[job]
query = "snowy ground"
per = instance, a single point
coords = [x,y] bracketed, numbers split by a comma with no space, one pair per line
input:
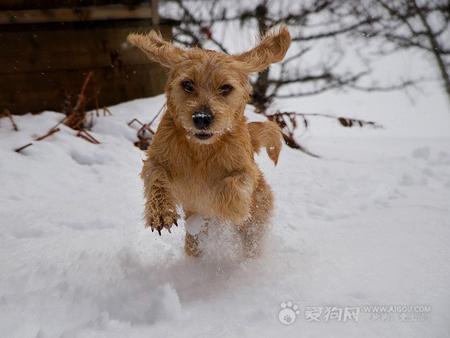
[366,225]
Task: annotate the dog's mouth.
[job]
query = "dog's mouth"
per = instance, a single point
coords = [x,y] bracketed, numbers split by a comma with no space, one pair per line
[203,135]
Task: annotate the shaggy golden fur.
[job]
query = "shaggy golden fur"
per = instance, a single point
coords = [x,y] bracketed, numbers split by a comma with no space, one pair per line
[214,176]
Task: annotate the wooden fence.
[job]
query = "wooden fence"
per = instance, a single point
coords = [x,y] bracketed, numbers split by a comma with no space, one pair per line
[45,54]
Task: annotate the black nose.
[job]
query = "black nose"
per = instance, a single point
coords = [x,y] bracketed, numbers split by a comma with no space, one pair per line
[202,119]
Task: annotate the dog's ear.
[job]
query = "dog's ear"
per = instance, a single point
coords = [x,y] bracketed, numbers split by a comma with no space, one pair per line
[158,49]
[266,134]
[272,48]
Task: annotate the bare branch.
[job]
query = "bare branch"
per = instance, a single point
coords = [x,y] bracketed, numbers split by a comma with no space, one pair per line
[336,32]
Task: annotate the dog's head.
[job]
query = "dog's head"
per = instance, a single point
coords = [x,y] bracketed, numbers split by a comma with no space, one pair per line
[207,91]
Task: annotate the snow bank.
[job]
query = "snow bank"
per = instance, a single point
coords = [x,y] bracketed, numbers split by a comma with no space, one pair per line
[366,225]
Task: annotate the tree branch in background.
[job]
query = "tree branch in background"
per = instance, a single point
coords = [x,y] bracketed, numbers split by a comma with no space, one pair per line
[408,24]
[313,25]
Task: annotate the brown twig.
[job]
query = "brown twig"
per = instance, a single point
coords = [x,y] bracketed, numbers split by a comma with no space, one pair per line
[7,113]
[288,123]
[157,114]
[49,133]
[18,150]
[76,116]
[76,119]
[144,126]
[40,138]
[144,140]
[87,136]
[134,120]
[106,111]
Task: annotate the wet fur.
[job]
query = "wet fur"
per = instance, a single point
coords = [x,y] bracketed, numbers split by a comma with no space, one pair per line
[218,177]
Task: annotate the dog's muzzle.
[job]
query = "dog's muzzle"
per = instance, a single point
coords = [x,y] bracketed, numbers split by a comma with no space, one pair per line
[202,120]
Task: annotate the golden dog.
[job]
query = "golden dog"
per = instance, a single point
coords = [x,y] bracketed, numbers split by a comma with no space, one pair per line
[202,155]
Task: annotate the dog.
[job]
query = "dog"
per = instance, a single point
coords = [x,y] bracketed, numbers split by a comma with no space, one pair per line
[202,155]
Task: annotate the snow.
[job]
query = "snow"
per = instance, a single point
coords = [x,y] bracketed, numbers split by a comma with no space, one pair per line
[367,224]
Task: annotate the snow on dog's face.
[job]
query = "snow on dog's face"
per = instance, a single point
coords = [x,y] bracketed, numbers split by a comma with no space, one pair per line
[207,91]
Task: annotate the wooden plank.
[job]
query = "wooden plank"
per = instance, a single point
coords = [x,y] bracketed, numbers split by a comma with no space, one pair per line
[91,13]
[33,92]
[94,39]
[47,62]
[40,67]
[45,4]
[46,51]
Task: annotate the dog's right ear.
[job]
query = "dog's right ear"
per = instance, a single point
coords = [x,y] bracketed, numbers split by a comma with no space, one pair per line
[272,48]
[158,49]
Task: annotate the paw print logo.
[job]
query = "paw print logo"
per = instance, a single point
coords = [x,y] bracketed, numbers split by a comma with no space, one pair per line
[288,313]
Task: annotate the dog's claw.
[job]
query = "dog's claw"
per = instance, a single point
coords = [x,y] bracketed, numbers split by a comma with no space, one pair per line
[175,222]
[162,221]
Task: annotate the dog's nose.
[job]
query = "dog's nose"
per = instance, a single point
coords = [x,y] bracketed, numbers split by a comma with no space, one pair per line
[202,119]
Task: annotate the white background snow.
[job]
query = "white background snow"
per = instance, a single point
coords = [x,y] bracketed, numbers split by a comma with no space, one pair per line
[368,224]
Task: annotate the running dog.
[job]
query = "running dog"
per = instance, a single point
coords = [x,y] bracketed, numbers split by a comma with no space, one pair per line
[202,155]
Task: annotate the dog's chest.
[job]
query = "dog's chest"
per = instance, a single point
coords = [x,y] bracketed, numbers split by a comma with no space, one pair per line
[195,184]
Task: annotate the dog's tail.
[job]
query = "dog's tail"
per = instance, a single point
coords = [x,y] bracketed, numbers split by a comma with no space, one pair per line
[266,134]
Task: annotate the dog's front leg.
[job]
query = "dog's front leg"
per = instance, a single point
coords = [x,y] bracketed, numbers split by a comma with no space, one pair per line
[234,197]
[160,209]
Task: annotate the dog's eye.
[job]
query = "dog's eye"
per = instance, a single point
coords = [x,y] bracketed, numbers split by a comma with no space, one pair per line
[225,89]
[188,86]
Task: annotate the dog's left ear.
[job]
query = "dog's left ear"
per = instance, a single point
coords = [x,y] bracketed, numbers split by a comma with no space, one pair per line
[157,49]
[272,48]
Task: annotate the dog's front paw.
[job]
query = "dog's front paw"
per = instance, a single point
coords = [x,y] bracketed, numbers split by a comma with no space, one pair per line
[163,219]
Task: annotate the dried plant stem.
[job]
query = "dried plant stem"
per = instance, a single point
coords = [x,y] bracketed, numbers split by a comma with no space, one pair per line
[7,113]
[40,138]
